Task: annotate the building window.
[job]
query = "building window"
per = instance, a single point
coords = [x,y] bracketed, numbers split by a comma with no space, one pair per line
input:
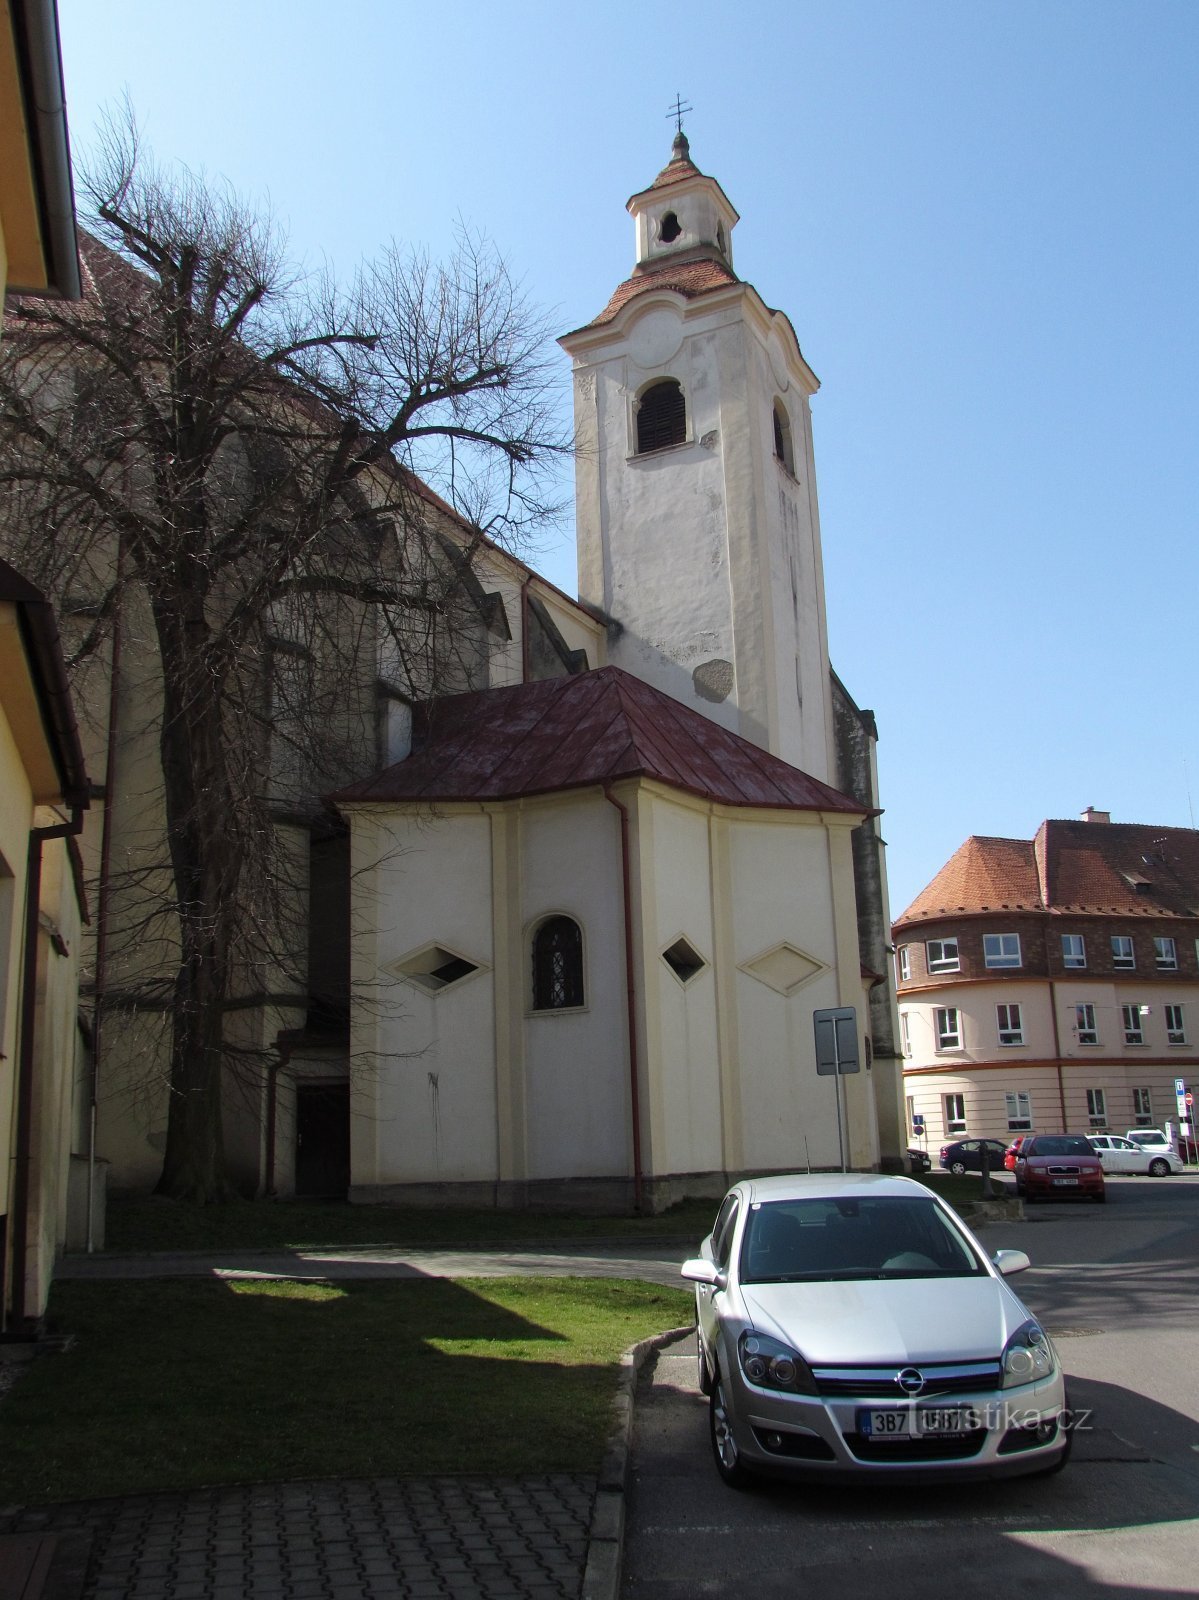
[1176,1031]
[905,963]
[1142,1108]
[1019,1112]
[1123,954]
[942,955]
[1011,1024]
[1074,950]
[1084,1024]
[955,1112]
[1001,949]
[557,965]
[947,1028]
[783,450]
[669,229]
[1165,955]
[1097,1108]
[684,960]
[905,1032]
[1134,1032]
[661,417]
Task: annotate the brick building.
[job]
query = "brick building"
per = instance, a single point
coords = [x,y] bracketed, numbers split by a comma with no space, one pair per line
[1052,984]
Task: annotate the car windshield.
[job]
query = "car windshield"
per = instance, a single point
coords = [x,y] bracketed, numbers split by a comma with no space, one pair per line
[1065,1145]
[880,1236]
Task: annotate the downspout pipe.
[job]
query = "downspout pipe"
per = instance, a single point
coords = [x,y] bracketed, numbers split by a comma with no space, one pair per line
[26,1061]
[1057,1052]
[103,898]
[630,978]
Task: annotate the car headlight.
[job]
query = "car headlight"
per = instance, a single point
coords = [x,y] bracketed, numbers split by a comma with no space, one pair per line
[770,1364]
[1027,1356]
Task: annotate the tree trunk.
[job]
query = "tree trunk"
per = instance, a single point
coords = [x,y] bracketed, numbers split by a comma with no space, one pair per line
[204,834]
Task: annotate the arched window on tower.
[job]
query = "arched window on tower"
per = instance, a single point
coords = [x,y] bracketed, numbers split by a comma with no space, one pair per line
[557,965]
[670,229]
[661,417]
[783,449]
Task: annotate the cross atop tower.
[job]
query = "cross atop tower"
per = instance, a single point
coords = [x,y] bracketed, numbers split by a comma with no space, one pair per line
[676,111]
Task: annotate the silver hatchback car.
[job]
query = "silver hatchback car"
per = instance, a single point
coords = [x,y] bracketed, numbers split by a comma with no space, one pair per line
[850,1325]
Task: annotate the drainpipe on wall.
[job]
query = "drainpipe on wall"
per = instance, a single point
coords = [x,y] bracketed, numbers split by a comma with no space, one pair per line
[630,995]
[26,1061]
[1057,1052]
[102,898]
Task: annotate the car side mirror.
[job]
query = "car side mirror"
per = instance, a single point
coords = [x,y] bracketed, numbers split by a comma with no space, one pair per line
[698,1270]
[1009,1261]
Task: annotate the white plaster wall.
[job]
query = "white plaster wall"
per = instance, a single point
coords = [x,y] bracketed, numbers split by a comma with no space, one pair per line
[682,1022]
[782,892]
[662,568]
[16,819]
[422,1065]
[577,1080]
[708,550]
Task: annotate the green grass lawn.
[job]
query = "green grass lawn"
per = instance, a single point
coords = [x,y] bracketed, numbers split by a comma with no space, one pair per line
[175,1384]
[151,1224]
[143,1223]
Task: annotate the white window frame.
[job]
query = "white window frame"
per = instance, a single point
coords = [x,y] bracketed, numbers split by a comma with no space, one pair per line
[942,1032]
[1142,1107]
[1074,952]
[1019,1111]
[943,962]
[1009,1020]
[1176,1025]
[905,963]
[1165,955]
[1097,1108]
[1134,1029]
[905,1032]
[1085,1026]
[1006,951]
[953,1107]
[1124,959]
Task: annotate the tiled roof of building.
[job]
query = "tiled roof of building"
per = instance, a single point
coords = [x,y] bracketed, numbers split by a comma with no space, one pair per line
[688,278]
[594,728]
[1120,869]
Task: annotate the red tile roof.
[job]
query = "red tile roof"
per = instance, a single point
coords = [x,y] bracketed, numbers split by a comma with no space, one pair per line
[591,729]
[1075,868]
[688,278]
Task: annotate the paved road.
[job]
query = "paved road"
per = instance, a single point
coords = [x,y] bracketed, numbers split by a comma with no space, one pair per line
[1119,1288]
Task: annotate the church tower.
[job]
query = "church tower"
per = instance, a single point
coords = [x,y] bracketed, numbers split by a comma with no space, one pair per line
[698,530]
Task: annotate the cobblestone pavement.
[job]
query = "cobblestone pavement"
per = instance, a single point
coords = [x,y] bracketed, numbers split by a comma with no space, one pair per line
[378,1539]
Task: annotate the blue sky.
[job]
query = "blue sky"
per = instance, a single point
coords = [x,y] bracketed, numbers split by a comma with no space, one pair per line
[981,220]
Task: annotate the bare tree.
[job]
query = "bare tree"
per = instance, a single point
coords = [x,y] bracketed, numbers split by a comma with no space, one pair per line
[254,460]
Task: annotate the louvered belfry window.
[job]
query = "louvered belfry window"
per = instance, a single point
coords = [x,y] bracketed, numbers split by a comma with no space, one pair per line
[557,965]
[661,417]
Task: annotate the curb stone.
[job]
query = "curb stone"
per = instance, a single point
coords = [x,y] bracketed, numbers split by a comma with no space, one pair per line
[605,1541]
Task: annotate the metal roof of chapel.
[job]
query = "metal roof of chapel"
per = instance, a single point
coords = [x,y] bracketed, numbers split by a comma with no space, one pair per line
[587,730]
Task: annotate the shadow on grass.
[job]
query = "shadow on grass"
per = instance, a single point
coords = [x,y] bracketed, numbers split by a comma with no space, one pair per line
[174,1385]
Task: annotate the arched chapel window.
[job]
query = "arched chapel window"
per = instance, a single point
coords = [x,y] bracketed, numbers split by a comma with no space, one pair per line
[661,417]
[557,965]
[783,450]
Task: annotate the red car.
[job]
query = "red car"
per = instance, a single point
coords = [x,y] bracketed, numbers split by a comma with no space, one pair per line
[1013,1150]
[1059,1166]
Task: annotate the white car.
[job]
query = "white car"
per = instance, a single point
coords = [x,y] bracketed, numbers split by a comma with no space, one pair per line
[1133,1155]
[851,1326]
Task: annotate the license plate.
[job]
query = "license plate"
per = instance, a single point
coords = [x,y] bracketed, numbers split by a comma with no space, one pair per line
[1065,1183]
[894,1424]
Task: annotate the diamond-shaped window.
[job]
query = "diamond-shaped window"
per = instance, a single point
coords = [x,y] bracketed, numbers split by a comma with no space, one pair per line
[783,969]
[683,960]
[435,967]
